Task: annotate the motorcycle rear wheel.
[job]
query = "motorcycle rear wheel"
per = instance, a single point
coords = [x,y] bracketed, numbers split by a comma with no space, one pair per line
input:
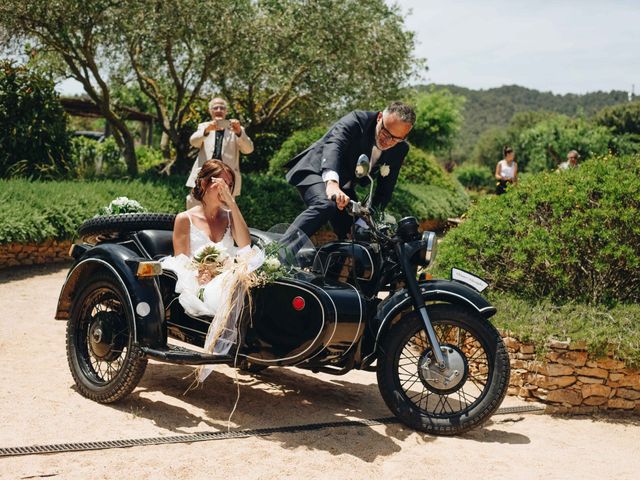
[409,380]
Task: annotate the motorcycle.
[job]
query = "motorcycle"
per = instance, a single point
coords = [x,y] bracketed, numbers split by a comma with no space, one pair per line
[441,366]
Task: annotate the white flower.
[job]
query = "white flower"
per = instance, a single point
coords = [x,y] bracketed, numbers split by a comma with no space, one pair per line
[359,170]
[272,263]
[384,170]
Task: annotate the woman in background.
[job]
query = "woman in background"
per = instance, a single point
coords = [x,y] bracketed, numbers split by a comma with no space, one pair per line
[506,170]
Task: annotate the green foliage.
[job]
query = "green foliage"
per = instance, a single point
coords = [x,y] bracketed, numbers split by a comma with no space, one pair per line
[427,202]
[621,119]
[420,167]
[566,236]
[90,158]
[438,119]
[33,137]
[295,144]
[268,200]
[36,211]
[265,146]
[149,158]
[476,177]
[488,149]
[603,330]
[545,145]
[495,107]
[303,61]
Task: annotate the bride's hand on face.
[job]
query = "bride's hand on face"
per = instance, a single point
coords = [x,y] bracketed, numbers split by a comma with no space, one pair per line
[223,190]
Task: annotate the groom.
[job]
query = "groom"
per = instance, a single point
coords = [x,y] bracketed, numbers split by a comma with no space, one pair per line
[327,167]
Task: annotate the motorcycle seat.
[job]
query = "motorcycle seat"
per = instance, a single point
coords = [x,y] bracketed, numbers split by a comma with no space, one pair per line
[157,243]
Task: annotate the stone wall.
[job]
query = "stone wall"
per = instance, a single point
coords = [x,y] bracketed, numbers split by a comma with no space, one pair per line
[12,254]
[568,380]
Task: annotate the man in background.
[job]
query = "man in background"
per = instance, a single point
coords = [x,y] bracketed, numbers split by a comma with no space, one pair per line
[219,139]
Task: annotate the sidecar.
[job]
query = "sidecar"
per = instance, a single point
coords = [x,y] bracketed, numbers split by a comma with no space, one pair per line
[121,310]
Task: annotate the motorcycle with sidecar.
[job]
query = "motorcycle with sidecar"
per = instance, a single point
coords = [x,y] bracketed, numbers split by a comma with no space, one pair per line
[441,366]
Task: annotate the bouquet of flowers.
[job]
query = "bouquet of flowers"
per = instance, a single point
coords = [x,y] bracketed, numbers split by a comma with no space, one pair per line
[209,261]
[272,268]
[122,205]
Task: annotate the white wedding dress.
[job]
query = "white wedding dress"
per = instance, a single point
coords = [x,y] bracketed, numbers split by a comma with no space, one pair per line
[217,293]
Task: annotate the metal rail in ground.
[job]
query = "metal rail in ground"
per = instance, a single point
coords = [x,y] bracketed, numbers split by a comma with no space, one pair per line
[207,436]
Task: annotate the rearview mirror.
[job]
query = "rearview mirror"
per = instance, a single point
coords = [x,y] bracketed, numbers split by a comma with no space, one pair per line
[362,167]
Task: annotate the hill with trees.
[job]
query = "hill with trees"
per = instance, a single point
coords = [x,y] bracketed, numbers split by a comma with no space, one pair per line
[495,107]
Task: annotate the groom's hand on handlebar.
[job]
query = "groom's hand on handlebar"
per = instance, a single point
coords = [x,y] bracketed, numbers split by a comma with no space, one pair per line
[334,193]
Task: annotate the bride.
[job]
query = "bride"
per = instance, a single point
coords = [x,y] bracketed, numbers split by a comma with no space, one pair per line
[216,222]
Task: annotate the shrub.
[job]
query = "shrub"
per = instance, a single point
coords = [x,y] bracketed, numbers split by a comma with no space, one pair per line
[90,158]
[295,144]
[427,202]
[267,200]
[420,167]
[148,158]
[33,135]
[568,236]
[474,177]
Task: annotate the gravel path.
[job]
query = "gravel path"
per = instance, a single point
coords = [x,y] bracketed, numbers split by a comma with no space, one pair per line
[39,405]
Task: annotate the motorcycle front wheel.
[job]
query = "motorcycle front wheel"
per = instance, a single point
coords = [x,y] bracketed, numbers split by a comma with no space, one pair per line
[454,400]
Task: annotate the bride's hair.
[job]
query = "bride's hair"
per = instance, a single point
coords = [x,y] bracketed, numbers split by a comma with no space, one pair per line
[211,168]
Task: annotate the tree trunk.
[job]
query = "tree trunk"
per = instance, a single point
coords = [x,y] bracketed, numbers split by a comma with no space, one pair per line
[165,145]
[130,154]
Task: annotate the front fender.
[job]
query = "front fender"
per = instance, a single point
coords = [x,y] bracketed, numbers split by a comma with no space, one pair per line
[143,295]
[442,291]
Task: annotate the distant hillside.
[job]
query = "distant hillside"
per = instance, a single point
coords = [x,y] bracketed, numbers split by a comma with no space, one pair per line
[494,107]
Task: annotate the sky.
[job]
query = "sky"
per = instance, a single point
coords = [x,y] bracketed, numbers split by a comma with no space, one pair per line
[563,46]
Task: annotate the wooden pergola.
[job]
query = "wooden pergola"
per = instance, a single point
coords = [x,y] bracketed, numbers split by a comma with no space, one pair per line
[81,107]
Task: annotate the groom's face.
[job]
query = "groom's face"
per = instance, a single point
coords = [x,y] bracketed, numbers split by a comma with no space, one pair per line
[390,130]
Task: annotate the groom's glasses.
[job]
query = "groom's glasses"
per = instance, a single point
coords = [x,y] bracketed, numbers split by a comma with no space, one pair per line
[389,136]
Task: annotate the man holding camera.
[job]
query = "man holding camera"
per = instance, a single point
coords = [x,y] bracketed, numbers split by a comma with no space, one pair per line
[219,139]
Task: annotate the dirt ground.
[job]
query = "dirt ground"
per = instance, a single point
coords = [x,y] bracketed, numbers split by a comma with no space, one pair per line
[39,405]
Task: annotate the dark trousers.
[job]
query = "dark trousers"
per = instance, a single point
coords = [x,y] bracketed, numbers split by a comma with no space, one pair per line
[321,210]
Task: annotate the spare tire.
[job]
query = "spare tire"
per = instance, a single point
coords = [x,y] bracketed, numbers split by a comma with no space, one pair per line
[97,229]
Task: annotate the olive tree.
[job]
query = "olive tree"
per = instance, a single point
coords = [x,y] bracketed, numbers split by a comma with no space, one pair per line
[306,61]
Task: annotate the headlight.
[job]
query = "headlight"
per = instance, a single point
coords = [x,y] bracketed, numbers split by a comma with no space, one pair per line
[428,252]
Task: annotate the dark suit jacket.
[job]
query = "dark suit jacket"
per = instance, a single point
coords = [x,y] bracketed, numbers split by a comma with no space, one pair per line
[339,150]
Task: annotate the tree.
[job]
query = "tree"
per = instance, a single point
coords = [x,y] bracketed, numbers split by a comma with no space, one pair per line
[622,119]
[303,61]
[81,36]
[438,119]
[172,50]
[33,137]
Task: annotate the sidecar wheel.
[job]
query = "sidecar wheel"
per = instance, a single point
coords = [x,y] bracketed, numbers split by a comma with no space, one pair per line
[104,361]
[454,401]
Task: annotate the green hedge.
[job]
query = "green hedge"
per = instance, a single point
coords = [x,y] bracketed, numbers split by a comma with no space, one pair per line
[427,202]
[36,211]
[566,236]
[476,177]
[295,144]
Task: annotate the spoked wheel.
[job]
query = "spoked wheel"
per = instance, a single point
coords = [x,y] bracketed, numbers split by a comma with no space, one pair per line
[446,401]
[104,361]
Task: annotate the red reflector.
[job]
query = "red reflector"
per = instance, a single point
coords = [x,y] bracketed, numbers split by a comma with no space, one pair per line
[298,303]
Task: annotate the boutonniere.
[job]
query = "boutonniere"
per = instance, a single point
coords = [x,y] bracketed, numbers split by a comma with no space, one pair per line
[385,170]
